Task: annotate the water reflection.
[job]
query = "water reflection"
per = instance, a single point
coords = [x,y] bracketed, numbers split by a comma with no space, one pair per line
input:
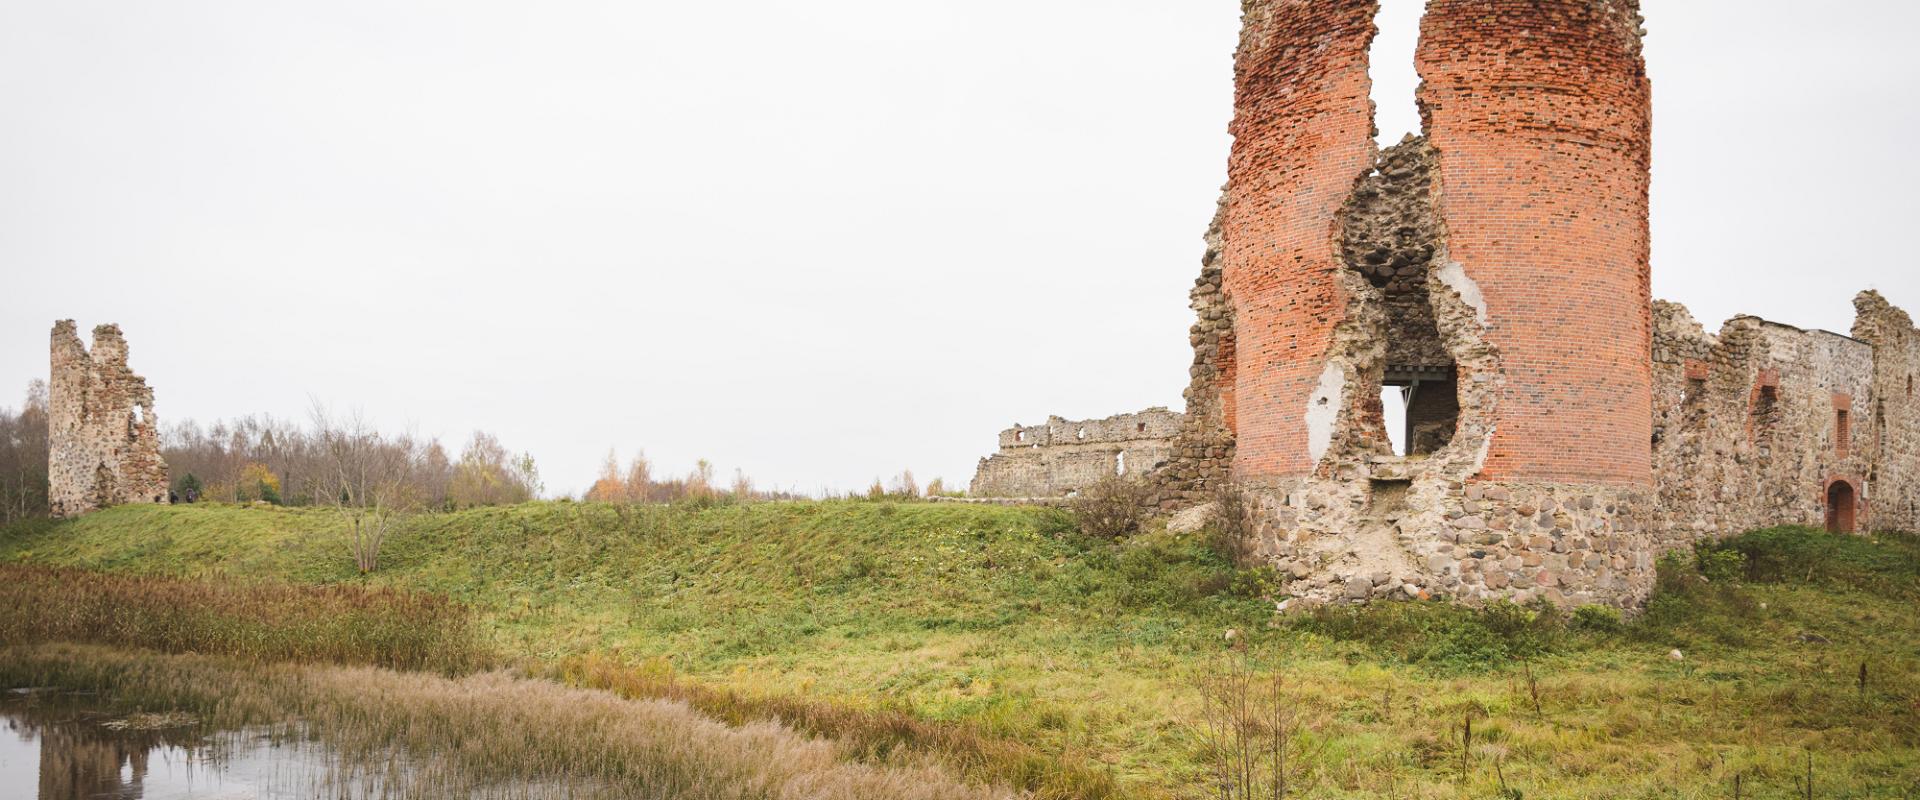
[58,746]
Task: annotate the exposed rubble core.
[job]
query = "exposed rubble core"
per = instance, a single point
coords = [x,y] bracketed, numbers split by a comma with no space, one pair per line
[1564,429]
[1055,459]
[103,439]
[1201,458]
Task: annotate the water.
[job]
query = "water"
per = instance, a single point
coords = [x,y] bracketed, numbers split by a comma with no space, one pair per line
[59,746]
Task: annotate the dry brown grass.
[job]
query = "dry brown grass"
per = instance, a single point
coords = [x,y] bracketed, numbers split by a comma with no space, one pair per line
[494,729]
[255,621]
[876,736]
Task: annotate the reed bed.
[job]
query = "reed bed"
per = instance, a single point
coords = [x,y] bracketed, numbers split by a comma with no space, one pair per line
[472,735]
[874,735]
[339,624]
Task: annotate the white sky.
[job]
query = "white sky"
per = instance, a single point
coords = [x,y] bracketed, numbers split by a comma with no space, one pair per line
[820,242]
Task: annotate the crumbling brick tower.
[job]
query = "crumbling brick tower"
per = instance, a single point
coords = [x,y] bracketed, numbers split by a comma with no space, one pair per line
[103,439]
[1495,269]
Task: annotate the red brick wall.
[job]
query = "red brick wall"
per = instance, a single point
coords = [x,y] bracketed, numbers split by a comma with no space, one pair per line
[1303,135]
[1540,111]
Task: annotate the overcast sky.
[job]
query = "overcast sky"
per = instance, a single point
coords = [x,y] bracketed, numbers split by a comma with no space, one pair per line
[819,242]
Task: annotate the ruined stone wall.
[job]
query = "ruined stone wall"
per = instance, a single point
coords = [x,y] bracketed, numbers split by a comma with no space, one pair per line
[1746,425]
[1567,430]
[103,438]
[1062,456]
[1200,463]
[1893,473]
[1498,263]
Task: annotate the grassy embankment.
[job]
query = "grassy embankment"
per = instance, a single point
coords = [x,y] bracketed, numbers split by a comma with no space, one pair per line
[1011,624]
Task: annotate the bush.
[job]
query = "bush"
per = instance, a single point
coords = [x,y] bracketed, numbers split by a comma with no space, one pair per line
[1598,619]
[1890,565]
[1720,563]
[1111,509]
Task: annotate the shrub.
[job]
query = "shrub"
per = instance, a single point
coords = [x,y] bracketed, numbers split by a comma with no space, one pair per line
[1113,508]
[1598,619]
[1720,563]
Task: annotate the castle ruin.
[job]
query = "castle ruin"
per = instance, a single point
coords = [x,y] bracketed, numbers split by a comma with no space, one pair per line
[1062,456]
[1563,428]
[103,440]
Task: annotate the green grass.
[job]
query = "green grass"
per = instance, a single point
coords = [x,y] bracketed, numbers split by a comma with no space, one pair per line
[1007,620]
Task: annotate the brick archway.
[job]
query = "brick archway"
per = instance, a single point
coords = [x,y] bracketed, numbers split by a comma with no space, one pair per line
[1843,504]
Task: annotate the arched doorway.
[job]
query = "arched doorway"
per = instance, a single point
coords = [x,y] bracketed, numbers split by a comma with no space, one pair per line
[1841,504]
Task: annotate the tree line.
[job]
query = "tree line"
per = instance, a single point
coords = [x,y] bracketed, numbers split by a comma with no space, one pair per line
[326,461]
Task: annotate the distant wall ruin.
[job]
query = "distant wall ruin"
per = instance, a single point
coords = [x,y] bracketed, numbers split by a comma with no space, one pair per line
[103,440]
[1062,456]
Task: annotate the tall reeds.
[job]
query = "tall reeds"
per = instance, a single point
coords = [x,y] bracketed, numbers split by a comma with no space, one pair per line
[489,730]
[255,621]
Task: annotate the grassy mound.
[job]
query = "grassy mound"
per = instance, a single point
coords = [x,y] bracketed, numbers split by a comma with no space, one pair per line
[1010,622]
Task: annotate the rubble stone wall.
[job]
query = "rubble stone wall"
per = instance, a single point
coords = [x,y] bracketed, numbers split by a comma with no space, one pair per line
[1568,429]
[1055,459]
[1747,424]
[103,438]
[1893,471]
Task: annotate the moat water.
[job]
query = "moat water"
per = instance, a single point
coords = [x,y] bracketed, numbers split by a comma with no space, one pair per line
[62,746]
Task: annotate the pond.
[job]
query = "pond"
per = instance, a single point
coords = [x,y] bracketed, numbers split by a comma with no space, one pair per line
[65,746]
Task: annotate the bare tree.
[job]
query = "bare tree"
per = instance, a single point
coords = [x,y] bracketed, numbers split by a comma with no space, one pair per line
[367,479]
[1248,733]
[640,478]
[23,457]
[488,476]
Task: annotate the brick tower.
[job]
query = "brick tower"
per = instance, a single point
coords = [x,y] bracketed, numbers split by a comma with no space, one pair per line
[1494,270]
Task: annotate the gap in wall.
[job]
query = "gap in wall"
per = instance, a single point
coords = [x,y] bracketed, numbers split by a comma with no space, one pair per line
[1390,63]
[1393,401]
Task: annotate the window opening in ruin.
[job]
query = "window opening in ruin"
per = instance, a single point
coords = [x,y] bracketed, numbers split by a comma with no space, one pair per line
[1841,504]
[1842,433]
[1766,412]
[1019,436]
[1429,407]
[1082,434]
[1141,428]
[1393,409]
[1120,463]
[1693,403]
[1391,66]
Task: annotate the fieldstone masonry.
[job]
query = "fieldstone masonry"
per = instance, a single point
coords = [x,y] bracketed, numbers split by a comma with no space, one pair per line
[103,439]
[1565,428]
[1054,459]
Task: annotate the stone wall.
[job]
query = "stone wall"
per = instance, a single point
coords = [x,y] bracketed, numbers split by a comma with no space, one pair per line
[1055,459]
[103,438]
[1893,469]
[1747,427]
[1496,266]
[1565,429]
[1201,460]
